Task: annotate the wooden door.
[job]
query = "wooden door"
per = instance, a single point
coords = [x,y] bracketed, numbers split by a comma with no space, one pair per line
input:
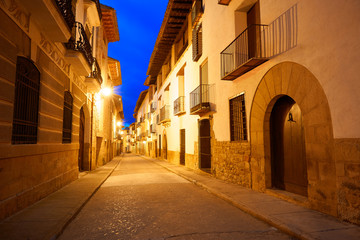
[156,149]
[204,144]
[165,146]
[289,171]
[182,146]
[253,17]
[159,145]
[81,140]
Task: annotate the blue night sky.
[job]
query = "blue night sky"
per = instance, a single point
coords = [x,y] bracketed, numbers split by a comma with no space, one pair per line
[139,23]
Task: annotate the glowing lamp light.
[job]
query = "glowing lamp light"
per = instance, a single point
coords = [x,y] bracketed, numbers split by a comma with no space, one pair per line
[118,123]
[106,91]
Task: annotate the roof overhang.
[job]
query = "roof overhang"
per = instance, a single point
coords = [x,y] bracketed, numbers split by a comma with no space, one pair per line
[140,100]
[109,21]
[115,71]
[175,16]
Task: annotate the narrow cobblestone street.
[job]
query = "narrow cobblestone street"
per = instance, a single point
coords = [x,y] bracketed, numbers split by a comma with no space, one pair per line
[142,200]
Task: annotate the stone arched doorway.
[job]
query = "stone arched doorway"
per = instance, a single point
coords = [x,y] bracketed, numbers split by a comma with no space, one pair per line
[298,83]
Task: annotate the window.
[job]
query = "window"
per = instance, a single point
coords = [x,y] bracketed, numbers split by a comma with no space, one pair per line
[238,130]
[26,104]
[197,42]
[67,118]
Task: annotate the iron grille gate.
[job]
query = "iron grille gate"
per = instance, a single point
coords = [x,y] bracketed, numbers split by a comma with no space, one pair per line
[26,105]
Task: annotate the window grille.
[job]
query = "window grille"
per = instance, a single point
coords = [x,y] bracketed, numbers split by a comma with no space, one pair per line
[26,104]
[67,118]
[238,129]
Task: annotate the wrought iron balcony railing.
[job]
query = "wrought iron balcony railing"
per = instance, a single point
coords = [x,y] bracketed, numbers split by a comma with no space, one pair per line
[80,42]
[258,43]
[96,71]
[165,114]
[244,53]
[179,105]
[65,8]
[201,98]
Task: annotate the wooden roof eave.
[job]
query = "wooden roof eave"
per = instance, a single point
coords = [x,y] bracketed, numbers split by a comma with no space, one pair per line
[175,16]
[140,100]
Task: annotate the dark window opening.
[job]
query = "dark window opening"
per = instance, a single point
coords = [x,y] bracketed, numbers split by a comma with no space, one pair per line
[238,129]
[67,118]
[26,104]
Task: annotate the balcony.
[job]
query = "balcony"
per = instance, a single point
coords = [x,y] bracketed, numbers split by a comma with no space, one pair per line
[165,114]
[79,52]
[201,99]
[224,2]
[245,53]
[55,17]
[179,105]
[94,80]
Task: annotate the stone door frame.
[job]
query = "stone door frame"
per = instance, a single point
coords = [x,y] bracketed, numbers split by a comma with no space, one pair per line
[297,82]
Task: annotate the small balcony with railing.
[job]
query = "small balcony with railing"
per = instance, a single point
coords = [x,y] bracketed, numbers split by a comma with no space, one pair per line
[258,43]
[165,114]
[94,80]
[79,50]
[245,53]
[202,99]
[179,105]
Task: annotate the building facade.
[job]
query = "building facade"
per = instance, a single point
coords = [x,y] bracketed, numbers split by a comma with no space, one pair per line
[56,119]
[262,94]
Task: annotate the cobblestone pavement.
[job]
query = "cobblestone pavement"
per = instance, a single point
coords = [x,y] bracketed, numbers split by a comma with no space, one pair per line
[142,200]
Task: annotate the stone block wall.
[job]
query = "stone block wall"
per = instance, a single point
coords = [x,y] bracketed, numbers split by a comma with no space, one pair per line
[230,162]
[27,179]
[347,160]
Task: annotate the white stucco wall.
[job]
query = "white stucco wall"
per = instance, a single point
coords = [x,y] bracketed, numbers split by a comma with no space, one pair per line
[328,33]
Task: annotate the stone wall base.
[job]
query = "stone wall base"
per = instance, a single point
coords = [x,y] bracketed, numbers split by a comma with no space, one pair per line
[32,178]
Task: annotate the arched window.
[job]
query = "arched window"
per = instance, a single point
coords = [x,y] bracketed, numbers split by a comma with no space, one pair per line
[67,119]
[26,104]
